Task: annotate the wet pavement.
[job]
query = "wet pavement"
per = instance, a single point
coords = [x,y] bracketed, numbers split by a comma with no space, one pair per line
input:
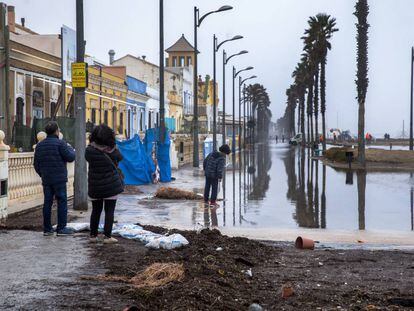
[46,273]
[280,192]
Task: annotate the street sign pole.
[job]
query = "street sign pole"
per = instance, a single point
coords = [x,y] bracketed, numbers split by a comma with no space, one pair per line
[79,75]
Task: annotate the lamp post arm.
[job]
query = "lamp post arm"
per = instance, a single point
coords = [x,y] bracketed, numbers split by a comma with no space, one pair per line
[200,20]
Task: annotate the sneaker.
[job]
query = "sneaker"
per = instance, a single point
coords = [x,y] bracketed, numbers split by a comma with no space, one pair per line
[48,233]
[65,231]
[110,240]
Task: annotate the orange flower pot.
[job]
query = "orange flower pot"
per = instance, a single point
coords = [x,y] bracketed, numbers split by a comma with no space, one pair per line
[304,243]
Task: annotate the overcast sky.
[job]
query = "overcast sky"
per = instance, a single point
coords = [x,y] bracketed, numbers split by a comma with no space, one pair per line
[272,31]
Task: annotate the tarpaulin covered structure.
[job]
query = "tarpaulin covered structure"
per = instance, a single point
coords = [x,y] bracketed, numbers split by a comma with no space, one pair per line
[136,166]
[162,149]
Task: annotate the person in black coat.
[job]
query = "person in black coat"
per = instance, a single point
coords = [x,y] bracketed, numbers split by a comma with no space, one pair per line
[50,158]
[213,166]
[105,180]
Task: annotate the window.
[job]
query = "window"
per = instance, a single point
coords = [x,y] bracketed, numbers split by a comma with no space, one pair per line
[20,111]
[93,115]
[189,61]
[53,111]
[141,119]
[114,118]
[106,117]
[121,123]
[174,61]
[182,61]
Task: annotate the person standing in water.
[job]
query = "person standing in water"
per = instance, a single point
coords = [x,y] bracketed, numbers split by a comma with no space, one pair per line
[213,167]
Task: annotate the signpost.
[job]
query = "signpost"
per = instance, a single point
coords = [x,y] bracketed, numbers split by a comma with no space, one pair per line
[79,75]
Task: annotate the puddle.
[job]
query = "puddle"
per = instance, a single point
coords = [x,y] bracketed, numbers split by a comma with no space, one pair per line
[280,189]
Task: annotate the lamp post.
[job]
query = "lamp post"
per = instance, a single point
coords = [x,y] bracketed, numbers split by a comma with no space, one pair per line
[235,74]
[161,68]
[411,100]
[216,47]
[197,23]
[225,62]
[244,108]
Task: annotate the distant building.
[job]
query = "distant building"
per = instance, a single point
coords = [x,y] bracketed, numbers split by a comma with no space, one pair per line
[137,99]
[141,69]
[180,60]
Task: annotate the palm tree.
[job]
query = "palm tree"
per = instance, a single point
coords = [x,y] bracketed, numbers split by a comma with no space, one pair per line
[300,76]
[317,36]
[261,101]
[361,12]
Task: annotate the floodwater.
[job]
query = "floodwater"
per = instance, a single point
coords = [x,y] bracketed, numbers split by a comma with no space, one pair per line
[278,191]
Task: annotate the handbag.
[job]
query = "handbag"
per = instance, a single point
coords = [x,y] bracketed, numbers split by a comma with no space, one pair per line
[117,169]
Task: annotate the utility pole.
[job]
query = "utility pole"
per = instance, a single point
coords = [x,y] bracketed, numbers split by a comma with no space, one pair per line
[411,100]
[81,186]
[196,156]
[62,79]
[5,119]
[162,104]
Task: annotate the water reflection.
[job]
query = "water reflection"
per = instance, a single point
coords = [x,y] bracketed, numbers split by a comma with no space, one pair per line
[362,184]
[280,187]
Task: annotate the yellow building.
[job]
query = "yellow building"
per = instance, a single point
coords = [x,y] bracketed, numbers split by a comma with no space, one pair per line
[105,97]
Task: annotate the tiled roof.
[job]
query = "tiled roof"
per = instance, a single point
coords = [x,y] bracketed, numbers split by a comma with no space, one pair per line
[182,45]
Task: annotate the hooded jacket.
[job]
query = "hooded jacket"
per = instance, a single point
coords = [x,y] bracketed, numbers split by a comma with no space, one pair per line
[104,180]
[214,165]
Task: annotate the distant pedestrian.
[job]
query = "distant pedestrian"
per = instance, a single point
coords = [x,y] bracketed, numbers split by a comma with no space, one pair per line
[277,139]
[50,158]
[283,138]
[213,167]
[334,137]
[105,180]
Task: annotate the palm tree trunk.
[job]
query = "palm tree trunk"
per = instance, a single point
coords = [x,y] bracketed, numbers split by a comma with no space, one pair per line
[310,110]
[302,118]
[316,103]
[323,102]
[361,133]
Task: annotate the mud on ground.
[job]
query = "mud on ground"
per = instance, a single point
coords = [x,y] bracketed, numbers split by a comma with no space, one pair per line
[323,279]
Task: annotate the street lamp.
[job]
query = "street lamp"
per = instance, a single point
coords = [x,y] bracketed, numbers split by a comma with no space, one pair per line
[216,47]
[244,109]
[197,23]
[225,61]
[235,74]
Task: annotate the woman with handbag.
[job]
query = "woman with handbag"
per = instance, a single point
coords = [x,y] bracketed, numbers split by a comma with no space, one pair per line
[105,180]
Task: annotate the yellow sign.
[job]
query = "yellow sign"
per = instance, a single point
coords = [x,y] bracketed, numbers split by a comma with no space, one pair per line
[79,75]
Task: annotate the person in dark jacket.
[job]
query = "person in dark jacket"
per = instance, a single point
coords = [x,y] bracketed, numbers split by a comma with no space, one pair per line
[213,166]
[50,158]
[105,180]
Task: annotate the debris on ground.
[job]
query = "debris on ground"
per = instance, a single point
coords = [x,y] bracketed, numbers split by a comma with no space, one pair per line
[176,194]
[131,190]
[156,275]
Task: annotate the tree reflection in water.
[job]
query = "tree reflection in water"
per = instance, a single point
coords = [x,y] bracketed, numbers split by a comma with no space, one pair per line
[304,191]
[362,183]
[261,178]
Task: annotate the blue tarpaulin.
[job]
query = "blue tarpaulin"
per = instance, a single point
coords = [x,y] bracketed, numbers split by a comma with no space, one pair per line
[151,142]
[136,166]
